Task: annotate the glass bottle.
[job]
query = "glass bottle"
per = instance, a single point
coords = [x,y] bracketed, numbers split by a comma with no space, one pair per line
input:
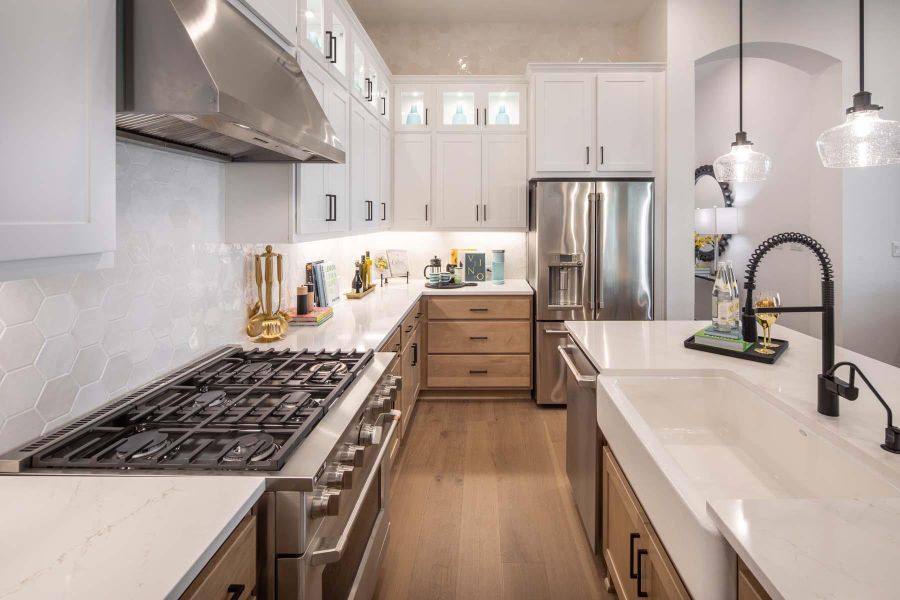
[357,280]
[726,301]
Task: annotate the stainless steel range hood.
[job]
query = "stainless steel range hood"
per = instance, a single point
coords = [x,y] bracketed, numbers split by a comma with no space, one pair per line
[198,75]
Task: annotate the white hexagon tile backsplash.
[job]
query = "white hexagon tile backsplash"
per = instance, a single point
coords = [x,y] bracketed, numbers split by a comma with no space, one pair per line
[69,343]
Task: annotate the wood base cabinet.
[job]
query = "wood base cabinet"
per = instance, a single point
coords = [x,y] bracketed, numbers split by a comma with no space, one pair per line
[748,588]
[232,571]
[636,560]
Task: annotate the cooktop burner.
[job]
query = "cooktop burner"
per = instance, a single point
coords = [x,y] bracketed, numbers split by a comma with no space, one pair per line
[240,409]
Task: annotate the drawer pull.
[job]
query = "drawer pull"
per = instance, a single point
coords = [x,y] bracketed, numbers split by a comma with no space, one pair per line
[631,540]
[478,337]
[478,310]
[397,348]
[410,328]
[235,591]
[478,372]
[640,592]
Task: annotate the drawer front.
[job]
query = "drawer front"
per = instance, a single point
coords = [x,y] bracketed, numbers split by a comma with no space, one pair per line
[479,371]
[231,572]
[479,337]
[393,343]
[408,325]
[480,307]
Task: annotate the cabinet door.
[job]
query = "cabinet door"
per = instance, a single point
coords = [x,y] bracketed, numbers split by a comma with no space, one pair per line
[660,580]
[358,84]
[503,181]
[61,203]
[414,110]
[373,172]
[384,100]
[386,208]
[358,208]
[417,355]
[412,180]
[503,107]
[457,180]
[313,207]
[337,108]
[338,40]
[625,122]
[623,531]
[312,27]
[280,15]
[459,107]
[564,121]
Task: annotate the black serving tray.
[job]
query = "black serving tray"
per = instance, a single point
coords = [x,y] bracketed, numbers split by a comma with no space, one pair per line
[449,286]
[748,354]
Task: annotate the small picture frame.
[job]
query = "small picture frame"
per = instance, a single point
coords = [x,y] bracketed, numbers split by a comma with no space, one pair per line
[398,263]
[475,268]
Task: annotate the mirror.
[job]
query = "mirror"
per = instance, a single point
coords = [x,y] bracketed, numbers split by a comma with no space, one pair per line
[709,193]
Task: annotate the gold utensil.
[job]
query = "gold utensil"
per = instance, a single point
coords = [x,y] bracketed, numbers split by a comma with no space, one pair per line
[265,324]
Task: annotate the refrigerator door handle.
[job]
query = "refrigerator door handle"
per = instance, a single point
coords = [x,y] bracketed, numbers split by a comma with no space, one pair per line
[592,252]
[597,276]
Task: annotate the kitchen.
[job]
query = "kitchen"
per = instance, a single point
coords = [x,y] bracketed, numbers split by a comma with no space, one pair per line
[547,426]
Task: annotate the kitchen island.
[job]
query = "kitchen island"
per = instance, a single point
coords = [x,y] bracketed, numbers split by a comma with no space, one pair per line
[789,535]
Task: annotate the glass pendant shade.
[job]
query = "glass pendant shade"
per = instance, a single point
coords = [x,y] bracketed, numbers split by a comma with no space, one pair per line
[742,165]
[863,140]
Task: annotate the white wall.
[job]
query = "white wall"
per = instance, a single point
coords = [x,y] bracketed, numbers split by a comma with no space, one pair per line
[870,210]
[781,100]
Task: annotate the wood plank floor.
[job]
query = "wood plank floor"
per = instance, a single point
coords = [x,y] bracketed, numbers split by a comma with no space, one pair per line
[481,508]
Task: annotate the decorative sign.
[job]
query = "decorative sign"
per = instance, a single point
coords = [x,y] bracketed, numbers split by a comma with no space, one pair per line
[398,262]
[475,267]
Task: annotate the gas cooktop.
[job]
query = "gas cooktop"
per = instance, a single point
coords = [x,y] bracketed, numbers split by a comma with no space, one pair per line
[236,410]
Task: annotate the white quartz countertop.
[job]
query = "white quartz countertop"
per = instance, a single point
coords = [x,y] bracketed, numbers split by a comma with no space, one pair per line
[129,537]
[366,323]
[806,548]
[814,549]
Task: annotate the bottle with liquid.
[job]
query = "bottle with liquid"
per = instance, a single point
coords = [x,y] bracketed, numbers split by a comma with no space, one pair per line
[726,300]
[357,279]
[368,270]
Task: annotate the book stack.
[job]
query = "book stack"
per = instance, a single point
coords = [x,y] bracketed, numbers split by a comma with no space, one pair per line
[733,340]
[313,318]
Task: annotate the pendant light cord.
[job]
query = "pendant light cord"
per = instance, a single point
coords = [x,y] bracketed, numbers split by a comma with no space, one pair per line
[741,64]
[862,47]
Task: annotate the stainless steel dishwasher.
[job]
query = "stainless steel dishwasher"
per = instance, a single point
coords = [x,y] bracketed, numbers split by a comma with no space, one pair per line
[583,439]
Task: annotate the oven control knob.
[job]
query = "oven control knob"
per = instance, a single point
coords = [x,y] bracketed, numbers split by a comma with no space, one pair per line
[338,476]
[351,454]
[381,404]
[325,503]
[369,435]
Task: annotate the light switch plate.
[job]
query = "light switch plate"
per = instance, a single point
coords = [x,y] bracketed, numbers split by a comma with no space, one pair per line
[895,249]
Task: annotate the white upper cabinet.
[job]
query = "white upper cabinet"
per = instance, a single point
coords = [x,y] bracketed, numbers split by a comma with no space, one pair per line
[337,36]
[457,180]
[482,107]
[412,181]
[324,34]
[373,172]
[359,207]
[279,15]
[57,65]
[312,30]
[385,162]
[337,109]
[564,121]
[414,107]
[503,181]
[359,79]
[625,122]
[383,108]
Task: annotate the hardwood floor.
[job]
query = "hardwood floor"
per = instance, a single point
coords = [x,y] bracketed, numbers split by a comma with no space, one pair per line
[481,508]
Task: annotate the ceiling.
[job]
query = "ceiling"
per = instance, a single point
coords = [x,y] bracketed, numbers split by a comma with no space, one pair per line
[434,12]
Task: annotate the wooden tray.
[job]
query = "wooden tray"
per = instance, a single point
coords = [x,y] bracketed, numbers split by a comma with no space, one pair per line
[749,354]
[449,286]
[362,294]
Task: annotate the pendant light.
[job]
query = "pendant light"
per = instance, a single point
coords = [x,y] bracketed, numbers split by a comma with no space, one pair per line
[864,139]
[743,164]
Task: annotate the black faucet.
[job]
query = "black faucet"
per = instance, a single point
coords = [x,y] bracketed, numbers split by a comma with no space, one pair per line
[830,387]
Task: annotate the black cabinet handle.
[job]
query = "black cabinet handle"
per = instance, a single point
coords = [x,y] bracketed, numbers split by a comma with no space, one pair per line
[587,150]
[640,592]
[426,212]
[329,54]
[478,337]
[334,204]
[478,310]
[601,155]
[476,213]
[328,199]
[484,212]
[426,116]
[631,539]
[383,106]
[369,204]
[415,358]
[477,372]
[235,591]
[384,211]
[477,117]
[334,50]
[485,117]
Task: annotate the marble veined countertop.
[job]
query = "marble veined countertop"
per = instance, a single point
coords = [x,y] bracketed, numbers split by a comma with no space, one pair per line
[797,548]
[366,323]
[132,538]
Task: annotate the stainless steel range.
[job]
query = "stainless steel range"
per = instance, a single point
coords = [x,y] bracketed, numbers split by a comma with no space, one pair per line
[317,425]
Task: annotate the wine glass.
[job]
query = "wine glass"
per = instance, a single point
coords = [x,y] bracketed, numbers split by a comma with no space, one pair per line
[766,299]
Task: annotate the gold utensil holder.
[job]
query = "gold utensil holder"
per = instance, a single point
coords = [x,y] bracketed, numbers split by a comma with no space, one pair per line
[267,323]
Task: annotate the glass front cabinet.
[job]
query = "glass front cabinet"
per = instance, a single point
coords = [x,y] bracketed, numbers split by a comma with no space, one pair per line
[325,35]
[384,100]
[477,107]
[312,17]
[414,107]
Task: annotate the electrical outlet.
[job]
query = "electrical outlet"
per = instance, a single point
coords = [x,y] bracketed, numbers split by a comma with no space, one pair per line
[895,249]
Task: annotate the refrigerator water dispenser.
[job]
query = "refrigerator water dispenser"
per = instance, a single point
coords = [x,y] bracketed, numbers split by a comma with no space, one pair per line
[566,280]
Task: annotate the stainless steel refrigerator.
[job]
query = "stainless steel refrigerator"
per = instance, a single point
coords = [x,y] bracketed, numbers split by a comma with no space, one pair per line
[590,257]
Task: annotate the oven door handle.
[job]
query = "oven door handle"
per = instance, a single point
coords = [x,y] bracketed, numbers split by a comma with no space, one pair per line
[324,556]
[585,381]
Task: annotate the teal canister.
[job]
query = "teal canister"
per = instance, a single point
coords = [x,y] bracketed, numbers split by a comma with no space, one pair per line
[497,266]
